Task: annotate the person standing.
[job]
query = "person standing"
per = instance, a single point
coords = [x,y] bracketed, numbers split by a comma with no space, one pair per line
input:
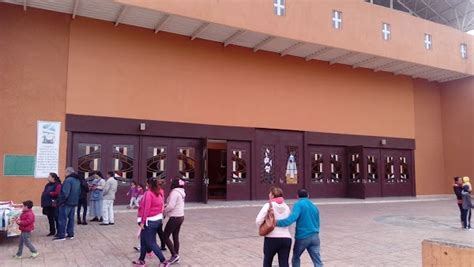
[49,201]
[467,206]
[278,240]
[68,200]
[150,218]
[82,202]
[306,216]
[97,187]
[110,189]
[26,222]
[174,210]
[457,188]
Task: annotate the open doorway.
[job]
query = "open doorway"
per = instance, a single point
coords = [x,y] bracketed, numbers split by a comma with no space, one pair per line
[217,167]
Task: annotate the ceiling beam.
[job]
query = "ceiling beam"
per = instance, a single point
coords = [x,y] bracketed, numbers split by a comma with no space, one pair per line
[365,61]
[233,36]
[434,11]
[319,52]
[262,43]
[161,23]
[25,4]
[440,77]
[460,76]
[121,15]
[74,10]
[407,8]
[427,74]
[199,30]
[388,65]
[404,70]
[337,59]
[291,48]
[423,69]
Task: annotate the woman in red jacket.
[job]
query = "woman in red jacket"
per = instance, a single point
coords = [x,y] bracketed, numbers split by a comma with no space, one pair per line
[150,218]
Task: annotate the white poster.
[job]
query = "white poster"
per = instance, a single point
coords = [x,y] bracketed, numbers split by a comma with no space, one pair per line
[47,148]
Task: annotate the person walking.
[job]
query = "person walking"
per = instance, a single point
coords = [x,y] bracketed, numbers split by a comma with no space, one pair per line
[96,186]
[26,223]
[306,216]
[150,217]
[49,201]
[110,189]
[277,241]
[82,202]
[174,210]
[68,200]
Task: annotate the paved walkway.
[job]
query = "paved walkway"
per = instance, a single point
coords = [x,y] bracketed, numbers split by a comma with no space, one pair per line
[374,232]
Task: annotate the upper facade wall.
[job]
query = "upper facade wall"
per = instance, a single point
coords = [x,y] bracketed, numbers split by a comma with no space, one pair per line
[310,21]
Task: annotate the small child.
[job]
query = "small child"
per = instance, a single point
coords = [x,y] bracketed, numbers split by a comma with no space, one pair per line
[26,222]
[466,181]
[132,193]
[467,206]
[140,193]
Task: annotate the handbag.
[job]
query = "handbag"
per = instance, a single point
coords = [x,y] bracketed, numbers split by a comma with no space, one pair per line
[269,223]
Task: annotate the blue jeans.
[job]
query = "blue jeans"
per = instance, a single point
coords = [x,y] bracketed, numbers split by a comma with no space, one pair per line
[96,208]
[66,220]
[312,244]
[148,240]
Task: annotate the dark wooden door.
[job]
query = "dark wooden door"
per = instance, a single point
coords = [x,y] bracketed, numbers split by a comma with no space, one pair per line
[356,172]
[279,162]
[397,173]
[238,170]
[373,172]
[326,166]
[156,160]
[187,165]
[117,153]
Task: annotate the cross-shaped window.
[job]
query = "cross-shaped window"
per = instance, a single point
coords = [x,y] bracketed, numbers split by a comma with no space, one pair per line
[336,19]
[386,33]
[463,51]
[428,42]
[279,7]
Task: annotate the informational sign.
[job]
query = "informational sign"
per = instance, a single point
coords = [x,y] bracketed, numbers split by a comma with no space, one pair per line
[47,148]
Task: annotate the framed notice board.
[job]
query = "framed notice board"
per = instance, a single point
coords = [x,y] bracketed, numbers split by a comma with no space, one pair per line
[18,165]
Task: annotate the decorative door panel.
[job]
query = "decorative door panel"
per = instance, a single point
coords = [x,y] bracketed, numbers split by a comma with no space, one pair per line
[397,173]
[238,170]
[117,153]
[278,161]
[356,181]
[373,168]
[326,166]
[187,164]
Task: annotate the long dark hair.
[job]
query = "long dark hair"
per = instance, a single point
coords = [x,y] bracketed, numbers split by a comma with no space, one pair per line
[55,177]
[154,185]
[176,184]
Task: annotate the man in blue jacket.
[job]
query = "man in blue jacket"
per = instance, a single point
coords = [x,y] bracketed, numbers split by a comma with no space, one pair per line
[68,200]
[306,216]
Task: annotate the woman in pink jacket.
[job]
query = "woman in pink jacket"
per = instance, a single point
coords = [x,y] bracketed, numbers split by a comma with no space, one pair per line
[150,218]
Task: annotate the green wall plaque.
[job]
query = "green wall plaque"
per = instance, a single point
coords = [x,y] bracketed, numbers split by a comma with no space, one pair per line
[18,165]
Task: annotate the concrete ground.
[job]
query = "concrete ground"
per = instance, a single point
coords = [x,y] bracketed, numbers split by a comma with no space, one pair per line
[374,232]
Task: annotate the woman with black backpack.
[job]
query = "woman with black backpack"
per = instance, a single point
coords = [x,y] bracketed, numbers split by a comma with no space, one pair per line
[49,199]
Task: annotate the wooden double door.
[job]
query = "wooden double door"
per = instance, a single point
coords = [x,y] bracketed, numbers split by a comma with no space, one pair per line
[135,158]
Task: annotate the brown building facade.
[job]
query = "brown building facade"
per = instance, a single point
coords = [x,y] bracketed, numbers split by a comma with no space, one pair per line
[230,121]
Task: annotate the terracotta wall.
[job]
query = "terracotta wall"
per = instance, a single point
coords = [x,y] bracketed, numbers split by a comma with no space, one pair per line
[132,73]
[429,156]
[310,21]
[33,73]
[457,99]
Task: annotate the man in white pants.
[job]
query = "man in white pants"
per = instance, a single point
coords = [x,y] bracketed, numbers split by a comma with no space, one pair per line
[110,189]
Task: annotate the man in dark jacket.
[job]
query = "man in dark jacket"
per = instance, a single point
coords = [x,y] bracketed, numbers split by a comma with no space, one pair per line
[82,202]
[68,200]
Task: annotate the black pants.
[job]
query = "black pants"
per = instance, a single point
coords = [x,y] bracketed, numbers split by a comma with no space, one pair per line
[466,218]
[460,212]
[83,204]
[274,245]
[52,214]
[172,227]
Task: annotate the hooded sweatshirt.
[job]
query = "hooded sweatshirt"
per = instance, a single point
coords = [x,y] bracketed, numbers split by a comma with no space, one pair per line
[306,215]
[466,198]
[175,205]
[281,211]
